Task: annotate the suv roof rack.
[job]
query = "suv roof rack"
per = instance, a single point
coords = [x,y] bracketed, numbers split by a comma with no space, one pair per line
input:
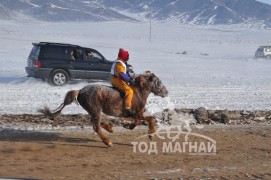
[53,43]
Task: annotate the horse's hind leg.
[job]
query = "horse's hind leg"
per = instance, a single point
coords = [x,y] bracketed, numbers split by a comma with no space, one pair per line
[97,128]
[107,127]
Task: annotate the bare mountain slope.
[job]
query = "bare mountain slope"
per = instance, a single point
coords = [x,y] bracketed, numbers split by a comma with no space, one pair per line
[183,11]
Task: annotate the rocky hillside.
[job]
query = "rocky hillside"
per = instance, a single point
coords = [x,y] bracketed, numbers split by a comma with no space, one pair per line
[183,11]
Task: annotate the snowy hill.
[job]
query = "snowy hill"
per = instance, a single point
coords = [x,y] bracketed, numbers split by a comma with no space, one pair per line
[58,10]
[203,11]
[183,11]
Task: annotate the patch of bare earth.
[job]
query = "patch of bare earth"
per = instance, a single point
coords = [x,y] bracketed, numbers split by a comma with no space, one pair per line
[242,152]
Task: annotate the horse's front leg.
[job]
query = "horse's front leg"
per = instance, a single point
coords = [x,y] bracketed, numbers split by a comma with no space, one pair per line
[131,126]
[137,121]
[152,123]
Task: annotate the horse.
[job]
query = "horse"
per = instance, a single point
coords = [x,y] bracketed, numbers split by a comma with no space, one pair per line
[97,99]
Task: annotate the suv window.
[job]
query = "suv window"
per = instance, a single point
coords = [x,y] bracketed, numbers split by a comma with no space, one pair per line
[91,55]
[54,52]
[76,54]
[260,49]
[34,52]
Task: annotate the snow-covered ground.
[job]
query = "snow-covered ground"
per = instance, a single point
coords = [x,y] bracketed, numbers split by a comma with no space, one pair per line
[218,72]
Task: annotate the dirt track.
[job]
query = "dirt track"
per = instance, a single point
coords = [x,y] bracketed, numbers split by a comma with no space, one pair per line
[242,152]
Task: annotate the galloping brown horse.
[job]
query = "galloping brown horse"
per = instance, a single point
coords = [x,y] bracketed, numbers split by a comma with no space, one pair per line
[96,99]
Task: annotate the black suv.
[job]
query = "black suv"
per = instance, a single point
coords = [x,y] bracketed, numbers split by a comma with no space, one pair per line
[58,63]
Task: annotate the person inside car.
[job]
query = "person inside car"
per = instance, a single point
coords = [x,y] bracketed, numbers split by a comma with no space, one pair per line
[89,54]
[74,54]
[120,80]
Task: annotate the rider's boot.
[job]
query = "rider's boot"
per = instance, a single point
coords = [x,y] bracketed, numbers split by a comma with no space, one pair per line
[129,112]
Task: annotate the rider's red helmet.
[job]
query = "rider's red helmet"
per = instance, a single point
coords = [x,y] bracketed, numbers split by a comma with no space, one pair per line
[123,55]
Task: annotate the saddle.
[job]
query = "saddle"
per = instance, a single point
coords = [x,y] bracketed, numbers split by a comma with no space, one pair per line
[125,113]
[121,93]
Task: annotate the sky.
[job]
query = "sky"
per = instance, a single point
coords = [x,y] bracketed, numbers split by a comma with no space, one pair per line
[265,1]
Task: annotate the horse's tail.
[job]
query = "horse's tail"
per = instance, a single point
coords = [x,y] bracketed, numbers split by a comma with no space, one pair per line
[70,97]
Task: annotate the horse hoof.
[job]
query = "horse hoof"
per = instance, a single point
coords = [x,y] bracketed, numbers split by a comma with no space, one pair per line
[110,129]
[110,144]
[126,126]
[151,136]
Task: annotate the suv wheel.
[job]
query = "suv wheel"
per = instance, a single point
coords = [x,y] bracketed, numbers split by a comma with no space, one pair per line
[59,77]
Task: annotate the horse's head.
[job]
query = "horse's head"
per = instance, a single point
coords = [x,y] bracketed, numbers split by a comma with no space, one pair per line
[151,82]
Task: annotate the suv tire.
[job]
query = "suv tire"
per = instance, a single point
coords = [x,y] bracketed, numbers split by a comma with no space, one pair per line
[59,77]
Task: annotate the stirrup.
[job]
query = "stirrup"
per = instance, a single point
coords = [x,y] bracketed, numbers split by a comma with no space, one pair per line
[129,112]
